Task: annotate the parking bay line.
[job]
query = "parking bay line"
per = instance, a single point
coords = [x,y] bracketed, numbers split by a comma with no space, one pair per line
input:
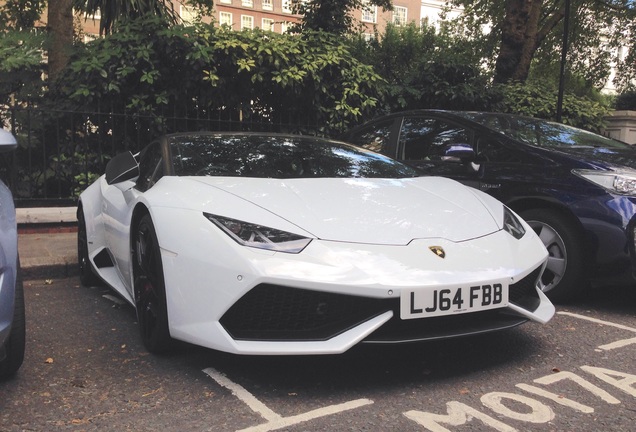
[613,345]
[274,420]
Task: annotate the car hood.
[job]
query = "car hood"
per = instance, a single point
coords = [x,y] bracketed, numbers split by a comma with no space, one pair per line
[602,157]
[362,210]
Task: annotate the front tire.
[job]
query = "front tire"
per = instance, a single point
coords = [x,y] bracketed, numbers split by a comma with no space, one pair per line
[150,291]
[563,278]
[17,338]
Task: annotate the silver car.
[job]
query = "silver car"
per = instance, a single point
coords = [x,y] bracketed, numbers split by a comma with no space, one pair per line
[12,326]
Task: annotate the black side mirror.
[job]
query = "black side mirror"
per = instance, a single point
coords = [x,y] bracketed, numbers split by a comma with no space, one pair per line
[459,153]
[122,167]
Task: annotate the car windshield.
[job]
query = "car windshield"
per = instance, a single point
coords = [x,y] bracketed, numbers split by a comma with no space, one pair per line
[277,156]
[542,133]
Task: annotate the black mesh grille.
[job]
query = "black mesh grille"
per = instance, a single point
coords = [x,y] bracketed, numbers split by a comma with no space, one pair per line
[277,313]
[524,293]
[270,312]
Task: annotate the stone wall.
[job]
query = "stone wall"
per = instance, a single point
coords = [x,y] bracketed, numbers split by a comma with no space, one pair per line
[621,125]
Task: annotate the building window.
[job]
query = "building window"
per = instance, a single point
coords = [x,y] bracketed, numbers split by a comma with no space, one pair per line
[268,5]
[187,14]
[287,6]
[267,24]
[247,3]
[226,1]
[225,18]
[369,13]
[98,15]
[247,22]
[284,27]
[399,15]
[89,37]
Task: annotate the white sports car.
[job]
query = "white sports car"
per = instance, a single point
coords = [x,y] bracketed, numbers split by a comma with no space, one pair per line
[279,244]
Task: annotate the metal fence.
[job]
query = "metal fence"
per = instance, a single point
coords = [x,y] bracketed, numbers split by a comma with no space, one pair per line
[62,152]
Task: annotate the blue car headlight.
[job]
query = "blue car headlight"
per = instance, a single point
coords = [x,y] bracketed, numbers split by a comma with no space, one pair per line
[258,236]
[512,225]
[620,181]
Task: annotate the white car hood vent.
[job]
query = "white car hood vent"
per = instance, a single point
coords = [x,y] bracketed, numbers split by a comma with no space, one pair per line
[366,210]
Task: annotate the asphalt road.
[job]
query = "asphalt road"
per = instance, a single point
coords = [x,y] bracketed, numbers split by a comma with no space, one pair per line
[85,369]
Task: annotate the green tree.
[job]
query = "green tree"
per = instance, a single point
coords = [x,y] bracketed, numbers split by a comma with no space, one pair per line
[523,33]
[112,11]
[20,14]
[60,31]
[202,71]
[21,65]
[425,69]
[332,16]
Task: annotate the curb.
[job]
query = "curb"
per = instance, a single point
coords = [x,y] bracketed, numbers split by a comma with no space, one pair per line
[48,255]
[49,271]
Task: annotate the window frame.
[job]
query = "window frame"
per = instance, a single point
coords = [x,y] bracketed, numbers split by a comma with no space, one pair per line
[251,19]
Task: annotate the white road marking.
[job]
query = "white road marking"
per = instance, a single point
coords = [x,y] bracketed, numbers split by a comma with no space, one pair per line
[626,383]
[565,375]
[539,412]
[560,399]
[274,420]
[618,344]
[610,346]
[246,397]
[457,414]
[598,321]
[320,412]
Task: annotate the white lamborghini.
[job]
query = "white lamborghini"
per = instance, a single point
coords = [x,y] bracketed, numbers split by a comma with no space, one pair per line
[277,244]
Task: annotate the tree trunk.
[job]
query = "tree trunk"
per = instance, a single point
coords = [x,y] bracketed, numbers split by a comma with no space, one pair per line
[60,28]
[519,40]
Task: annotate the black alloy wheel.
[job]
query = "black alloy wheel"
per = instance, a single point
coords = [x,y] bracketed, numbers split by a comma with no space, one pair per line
[150,291]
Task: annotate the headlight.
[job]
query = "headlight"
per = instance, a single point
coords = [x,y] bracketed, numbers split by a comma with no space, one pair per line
[258,236]
[620,181]
[512,225]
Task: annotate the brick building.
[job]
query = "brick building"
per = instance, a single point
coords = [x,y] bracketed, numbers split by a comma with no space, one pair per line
[276,15]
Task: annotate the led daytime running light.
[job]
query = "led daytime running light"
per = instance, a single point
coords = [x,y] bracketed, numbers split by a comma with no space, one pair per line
[622,182]
[259,236]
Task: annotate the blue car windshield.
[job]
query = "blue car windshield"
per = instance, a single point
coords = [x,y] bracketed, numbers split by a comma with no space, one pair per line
[542,133]
[277,156]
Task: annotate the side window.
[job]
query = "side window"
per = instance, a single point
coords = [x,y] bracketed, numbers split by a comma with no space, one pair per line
[492,150]
[428,139]
[150,166]
[375,137]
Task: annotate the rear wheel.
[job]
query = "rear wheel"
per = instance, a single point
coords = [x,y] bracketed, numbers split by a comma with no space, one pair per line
[87,277]
[150,292]
[16,342]
[563,277]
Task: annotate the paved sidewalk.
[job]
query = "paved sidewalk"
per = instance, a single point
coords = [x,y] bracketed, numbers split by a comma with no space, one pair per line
[48,255]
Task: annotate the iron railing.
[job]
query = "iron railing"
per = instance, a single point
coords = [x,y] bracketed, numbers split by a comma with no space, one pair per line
[62,152]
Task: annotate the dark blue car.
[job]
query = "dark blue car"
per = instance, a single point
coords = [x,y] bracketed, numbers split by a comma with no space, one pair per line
[575,188]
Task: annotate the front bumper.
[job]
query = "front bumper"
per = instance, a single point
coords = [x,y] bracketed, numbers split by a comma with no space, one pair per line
[334,295]
[610,224]
[277,313]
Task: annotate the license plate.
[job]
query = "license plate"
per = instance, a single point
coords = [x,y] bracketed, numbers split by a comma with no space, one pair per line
[430,302]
